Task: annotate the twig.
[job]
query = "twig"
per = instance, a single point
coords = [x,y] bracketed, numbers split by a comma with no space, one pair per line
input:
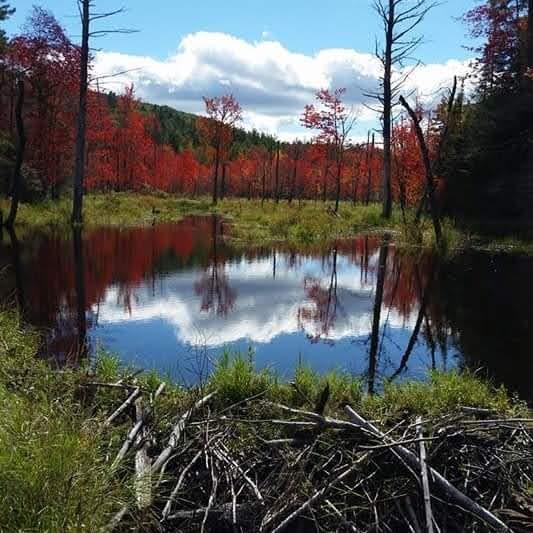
[320,494]
[425,480]
[129,401]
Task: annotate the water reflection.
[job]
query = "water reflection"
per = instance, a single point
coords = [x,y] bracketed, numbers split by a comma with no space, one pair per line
[169,296]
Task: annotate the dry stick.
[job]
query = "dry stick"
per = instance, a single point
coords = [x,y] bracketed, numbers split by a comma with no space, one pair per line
[143,476]
[348,525]
[425,480]
[132,435]
[127,443]
[320,494]
[223,453]
[212,496]
[175,491]
[176,433]
[458,498]
[129,400]
[223,510]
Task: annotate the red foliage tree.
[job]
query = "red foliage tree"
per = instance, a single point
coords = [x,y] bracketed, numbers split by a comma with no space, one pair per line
[223,113]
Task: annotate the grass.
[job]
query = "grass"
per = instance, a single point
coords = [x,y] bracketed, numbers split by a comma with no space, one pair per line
[54,449]
[252,222]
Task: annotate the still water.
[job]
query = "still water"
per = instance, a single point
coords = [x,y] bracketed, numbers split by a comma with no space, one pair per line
[173,297]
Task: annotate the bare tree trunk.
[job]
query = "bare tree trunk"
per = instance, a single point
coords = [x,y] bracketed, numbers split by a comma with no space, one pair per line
[223,181]
[338,191]
[79,170]
[277,174]
[21,146]
[369,157]
[215,175]
[387,112]
[530,34]
[430,185]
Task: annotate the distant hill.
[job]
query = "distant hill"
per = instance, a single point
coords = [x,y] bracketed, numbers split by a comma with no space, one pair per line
[179,130]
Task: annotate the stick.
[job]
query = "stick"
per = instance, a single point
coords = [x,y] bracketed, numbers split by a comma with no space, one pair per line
[132,435]
[425,480]
[172,497]
[143,476]
[348,525]
[176,433]
[223,454]
[319,494]
[129,400]
[455,495]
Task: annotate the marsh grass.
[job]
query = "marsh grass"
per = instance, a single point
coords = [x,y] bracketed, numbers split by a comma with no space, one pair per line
[55,451]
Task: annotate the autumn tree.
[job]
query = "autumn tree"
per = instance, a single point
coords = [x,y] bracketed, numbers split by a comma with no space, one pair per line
[334,123]
[398,18]
[223,113]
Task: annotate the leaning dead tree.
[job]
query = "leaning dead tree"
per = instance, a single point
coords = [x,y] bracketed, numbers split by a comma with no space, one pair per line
[430,166]
[398,18]
[87,17]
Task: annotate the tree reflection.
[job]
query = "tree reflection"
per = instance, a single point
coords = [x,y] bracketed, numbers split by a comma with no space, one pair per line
[325,304]
[376,314]
[79,282]
[17,269]
[418,324]
[213,287]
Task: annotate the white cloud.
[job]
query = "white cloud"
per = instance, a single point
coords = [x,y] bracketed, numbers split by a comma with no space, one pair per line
[264,308]
[272,83]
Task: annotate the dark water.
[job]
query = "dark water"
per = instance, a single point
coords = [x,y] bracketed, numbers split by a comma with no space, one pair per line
[173,297]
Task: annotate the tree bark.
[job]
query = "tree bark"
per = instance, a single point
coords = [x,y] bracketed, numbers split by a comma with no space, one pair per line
[21,146]
[369,157]
[387,112]
[79,170]
[215,176]
[530,34]
[277,175]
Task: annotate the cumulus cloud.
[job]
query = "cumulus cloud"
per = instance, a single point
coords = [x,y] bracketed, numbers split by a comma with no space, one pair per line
[272,83]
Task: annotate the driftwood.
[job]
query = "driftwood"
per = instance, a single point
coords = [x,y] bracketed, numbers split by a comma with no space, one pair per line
[454,495]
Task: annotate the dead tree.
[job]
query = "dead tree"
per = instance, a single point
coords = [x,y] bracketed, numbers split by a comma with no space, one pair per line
[87,17]
[21,146]
[430,182]
[399,18]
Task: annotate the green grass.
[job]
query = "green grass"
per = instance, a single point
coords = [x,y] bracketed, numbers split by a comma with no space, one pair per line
[55,451]
[301,223]
[252,222]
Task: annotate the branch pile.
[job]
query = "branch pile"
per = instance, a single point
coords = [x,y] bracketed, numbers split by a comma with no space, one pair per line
[261,466]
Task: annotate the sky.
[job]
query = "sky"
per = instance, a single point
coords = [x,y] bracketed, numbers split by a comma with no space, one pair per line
[273,55]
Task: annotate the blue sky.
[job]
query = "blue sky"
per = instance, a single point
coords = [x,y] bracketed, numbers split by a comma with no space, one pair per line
[272,54]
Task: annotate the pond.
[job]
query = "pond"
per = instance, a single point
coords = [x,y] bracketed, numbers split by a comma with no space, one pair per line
[174,297]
